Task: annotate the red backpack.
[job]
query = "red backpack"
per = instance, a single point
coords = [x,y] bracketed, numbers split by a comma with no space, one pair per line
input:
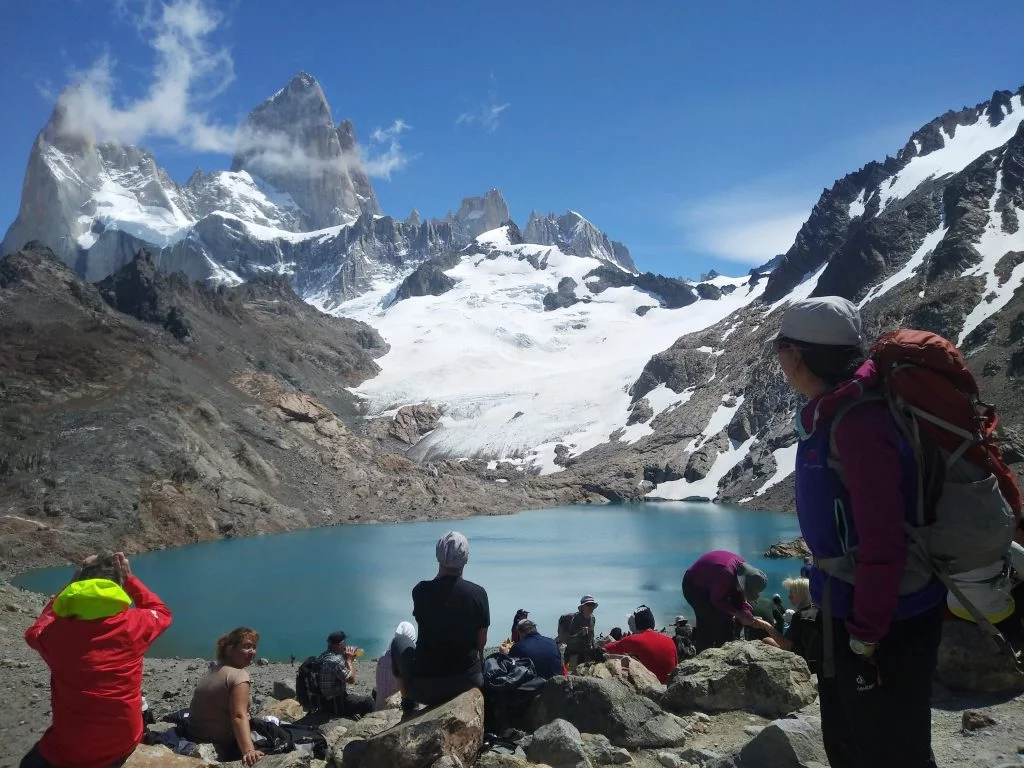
[926,376]
[968,500]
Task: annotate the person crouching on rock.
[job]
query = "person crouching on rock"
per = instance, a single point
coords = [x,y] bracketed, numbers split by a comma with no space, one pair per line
[452,615]
[219,712]
[541,650]
[883,645]
[337,670]
[93,641]
[654,650]
[581,646]
[720,587]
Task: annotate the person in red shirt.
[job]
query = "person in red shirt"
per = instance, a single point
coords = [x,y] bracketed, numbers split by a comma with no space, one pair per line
[93,641]
[654,650]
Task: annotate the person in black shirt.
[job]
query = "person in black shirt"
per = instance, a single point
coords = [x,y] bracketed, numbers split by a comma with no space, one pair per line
[452,615]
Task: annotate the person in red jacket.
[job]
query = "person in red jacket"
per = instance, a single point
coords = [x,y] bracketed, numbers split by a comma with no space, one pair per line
[654,650]
[93,642]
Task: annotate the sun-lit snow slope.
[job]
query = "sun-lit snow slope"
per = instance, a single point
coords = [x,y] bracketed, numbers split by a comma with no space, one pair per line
[966,144]
[512,379]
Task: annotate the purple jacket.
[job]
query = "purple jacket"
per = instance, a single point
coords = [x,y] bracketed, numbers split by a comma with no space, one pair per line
[716,572]
[867,512]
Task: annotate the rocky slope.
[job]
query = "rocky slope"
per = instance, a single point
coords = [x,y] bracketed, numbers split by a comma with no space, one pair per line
[150,411]
[929,239]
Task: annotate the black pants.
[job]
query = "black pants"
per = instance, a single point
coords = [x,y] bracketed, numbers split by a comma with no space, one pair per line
[713,627]
[878,715]
[349,705]
[34,759]
[429,690]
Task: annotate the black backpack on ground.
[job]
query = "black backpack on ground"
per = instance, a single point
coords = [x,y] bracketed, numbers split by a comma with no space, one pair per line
[274,739]
[307,684]
[510,685]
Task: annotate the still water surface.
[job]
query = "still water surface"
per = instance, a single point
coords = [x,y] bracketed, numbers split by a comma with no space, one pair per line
[295,588]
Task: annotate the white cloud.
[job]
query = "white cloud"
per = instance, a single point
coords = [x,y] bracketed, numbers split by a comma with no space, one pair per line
[746,225]
[188,70]
[488,114]
[384,156]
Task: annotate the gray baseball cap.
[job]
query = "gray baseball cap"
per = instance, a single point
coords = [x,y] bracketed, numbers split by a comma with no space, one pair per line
[830,320]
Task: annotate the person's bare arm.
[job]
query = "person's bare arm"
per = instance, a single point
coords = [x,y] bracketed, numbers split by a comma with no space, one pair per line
[481,642]
[240,724]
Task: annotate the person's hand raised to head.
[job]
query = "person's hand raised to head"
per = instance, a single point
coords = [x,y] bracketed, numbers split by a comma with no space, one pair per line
[123,567]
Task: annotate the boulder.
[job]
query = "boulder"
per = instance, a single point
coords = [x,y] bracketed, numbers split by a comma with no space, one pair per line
[968,662]
[783,549]
[640,412]
[747,676]
[636,676]
[159,756]
[558,744]
[789,743]
[602,752]
[341,733]
[609,707]
[287,711]
[455,729]
[283,689]
[704,458]
[974,720]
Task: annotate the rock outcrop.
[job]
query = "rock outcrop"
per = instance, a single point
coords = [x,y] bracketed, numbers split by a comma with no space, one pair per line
[747,676]
[454,730]
[784,549]
[574,234]
[608,707]
[968,662]
[789,743]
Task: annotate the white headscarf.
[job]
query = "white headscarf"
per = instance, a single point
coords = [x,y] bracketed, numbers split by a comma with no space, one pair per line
[406,629]
[453,550]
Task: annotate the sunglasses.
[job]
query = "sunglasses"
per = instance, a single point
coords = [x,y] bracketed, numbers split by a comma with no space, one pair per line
[779,343]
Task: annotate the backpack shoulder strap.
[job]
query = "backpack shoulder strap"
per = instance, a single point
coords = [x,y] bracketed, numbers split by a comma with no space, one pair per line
[834,461]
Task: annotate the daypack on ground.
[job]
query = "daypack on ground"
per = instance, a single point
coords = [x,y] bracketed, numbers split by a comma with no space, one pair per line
[307,683]
[510,685]
[969,503]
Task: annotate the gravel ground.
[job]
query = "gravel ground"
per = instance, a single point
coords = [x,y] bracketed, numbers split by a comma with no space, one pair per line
[168,685]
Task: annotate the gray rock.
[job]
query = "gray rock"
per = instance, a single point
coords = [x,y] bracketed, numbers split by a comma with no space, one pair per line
[609,707]
[789,743]
[558,744]
[641,411]
[747,676]
[704,458]
[283,689]
[969,663]
[602,752]
[699,756]
[428,279]
[454,729]
[670,760]
[477,215]
[574,234]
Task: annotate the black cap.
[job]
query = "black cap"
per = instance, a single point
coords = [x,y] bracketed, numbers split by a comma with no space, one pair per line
[336,637]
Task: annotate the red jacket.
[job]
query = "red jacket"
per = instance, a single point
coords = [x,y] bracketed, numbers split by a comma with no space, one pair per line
[96,679]
[654,650]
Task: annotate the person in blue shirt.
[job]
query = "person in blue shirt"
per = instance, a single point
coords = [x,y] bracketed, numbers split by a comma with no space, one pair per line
[542,651]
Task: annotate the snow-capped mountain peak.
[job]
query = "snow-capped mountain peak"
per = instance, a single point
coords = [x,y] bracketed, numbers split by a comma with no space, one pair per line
[574,233]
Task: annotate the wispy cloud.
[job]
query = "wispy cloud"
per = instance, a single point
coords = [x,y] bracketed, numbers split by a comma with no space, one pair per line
[384,156]
[488,114]
[189,71]
[747,225]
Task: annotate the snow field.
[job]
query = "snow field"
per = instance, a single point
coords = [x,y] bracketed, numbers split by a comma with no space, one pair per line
[512,380]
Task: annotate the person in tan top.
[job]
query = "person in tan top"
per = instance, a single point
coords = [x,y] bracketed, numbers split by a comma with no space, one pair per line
[219,712]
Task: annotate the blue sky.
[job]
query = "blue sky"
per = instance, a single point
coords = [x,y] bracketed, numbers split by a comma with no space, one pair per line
[698,133]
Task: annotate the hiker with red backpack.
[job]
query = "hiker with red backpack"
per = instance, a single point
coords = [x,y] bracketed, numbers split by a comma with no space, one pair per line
[899,490]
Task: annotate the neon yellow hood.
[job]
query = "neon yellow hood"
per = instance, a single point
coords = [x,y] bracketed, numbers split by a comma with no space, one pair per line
[91,599]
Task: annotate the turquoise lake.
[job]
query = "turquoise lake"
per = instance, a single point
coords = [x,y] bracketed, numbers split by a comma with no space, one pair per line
[295,588]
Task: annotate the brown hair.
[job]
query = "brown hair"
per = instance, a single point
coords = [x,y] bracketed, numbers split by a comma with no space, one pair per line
[102,567]
[235,638]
